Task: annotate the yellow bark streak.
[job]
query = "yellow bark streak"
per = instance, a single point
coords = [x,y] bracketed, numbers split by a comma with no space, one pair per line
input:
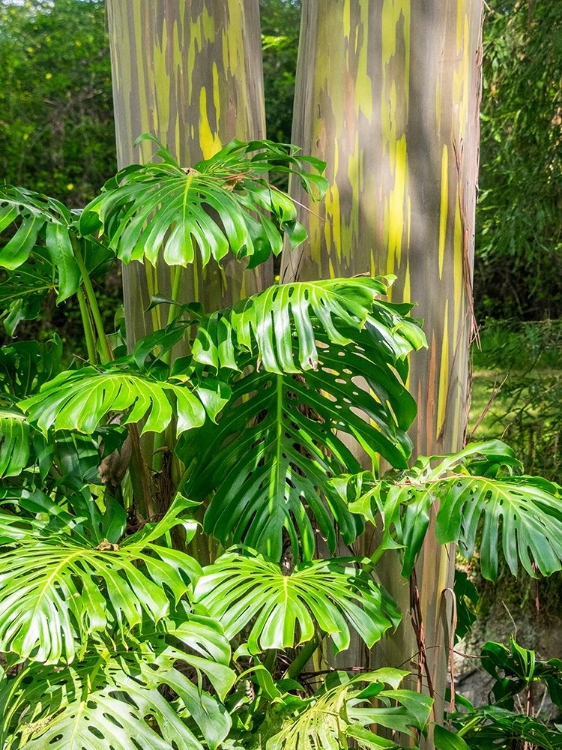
[387,96]
[443,212]
[181,72]
[209,140]
[444,374]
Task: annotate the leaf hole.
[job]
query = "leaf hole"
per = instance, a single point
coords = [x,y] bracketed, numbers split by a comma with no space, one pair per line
[113,720]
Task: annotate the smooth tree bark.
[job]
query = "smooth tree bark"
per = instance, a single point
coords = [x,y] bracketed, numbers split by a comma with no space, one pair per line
[387,94]
[189,73]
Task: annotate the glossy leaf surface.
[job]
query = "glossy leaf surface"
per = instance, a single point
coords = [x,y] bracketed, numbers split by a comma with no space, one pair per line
[116,700]
[219,205]
[14,442]
[482,501]
[281,325]
[57,589]
[286,610]
[79,400]
[345,712]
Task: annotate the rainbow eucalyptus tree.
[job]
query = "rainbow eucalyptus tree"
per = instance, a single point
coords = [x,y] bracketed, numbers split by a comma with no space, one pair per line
[190,74]
[387,94]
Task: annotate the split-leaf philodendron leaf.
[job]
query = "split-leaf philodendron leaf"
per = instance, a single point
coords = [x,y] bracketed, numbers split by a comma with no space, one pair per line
[219,205]
[287,609]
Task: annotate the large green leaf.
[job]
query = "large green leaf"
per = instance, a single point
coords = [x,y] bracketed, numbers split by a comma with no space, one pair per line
[14,442]
[285,610]
[282,324]
[79,400]
[345,712]
[282,436]
[123,700]
[38,217]
[319,362]
[57,589]
[482,501]
[520,515]
[220,204]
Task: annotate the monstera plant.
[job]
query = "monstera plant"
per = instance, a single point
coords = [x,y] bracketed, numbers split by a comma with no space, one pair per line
[173,513]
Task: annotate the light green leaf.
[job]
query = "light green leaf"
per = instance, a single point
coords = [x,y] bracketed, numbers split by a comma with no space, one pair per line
[482,501]
[344,712]
[522,516]
[164,210]
[117,700]
[286,610]
[61,253]
[268,324]
[79,400]
[14,442]
[57,590]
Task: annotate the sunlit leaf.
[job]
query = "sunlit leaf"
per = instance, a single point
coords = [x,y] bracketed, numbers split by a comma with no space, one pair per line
[122,700]
[285,610]
[219,205]
[79,400]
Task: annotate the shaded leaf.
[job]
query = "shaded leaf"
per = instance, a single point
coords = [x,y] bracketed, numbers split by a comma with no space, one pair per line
[14,442]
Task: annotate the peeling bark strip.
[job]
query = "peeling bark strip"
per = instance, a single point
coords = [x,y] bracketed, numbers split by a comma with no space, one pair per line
[388,95]
[191,74]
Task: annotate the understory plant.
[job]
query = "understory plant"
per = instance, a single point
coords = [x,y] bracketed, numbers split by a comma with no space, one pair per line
[173,512]
[512,718]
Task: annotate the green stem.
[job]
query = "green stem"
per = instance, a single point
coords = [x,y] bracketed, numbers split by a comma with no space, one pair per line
[106,355]
[269,661]
[176,287]
[160,438]
[87,326]
[302,658]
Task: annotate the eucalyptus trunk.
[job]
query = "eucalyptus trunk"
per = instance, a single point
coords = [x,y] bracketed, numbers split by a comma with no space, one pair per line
[387,94]
[190,73]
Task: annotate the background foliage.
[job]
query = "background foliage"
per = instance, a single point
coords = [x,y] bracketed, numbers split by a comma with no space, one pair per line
[56,114]
[519,235]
